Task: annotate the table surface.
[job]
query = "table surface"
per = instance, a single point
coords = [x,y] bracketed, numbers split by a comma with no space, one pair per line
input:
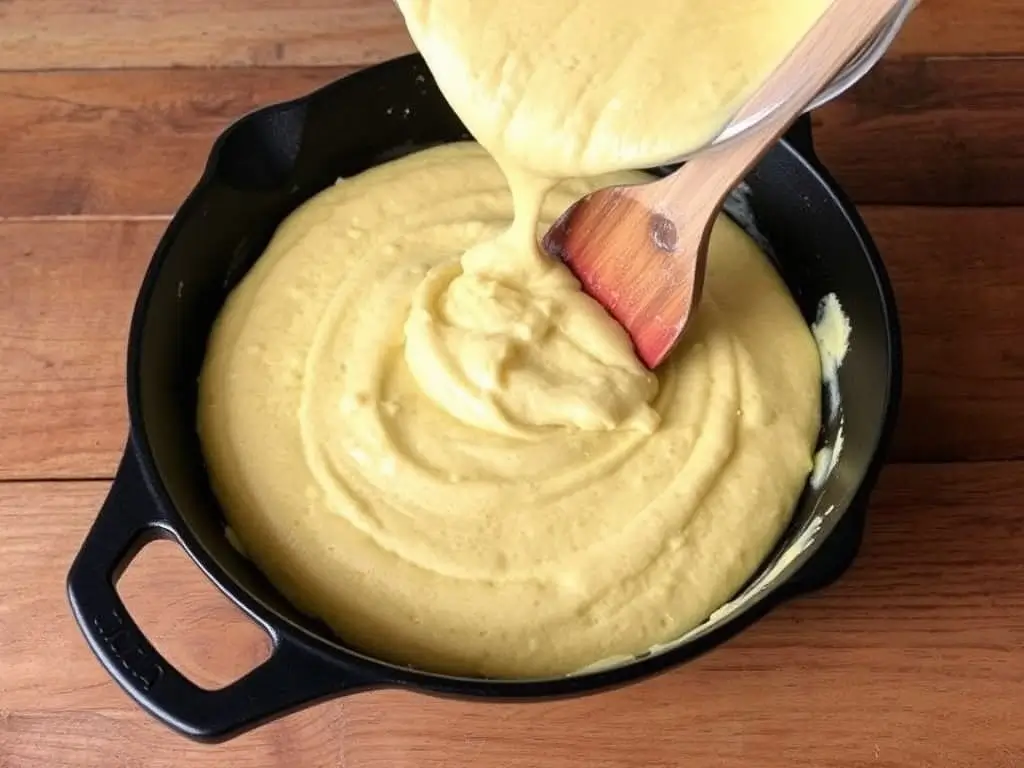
[915,658]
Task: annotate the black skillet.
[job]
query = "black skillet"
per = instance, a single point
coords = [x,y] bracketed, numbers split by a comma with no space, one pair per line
[262,168]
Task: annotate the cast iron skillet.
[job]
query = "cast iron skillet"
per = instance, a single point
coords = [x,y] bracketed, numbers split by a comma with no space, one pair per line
[262,168]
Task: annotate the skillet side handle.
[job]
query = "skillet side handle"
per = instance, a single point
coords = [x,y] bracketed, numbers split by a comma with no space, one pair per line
[800,137]
[837,553]
[293,677]
[833,558]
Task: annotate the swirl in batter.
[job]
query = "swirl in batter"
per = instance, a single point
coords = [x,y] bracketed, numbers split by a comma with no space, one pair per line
[424,432]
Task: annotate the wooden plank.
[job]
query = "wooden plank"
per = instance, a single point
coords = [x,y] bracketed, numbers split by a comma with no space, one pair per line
[958,279]
[70,34]
[123,142]
[133,143]
[922,638]
[70,287]
[930,131]
[68,291]
[963,28]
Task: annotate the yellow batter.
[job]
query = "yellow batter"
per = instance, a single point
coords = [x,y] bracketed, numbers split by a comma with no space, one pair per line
[425,434]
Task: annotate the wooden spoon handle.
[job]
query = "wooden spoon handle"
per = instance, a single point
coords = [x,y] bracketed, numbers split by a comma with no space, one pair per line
[698,189]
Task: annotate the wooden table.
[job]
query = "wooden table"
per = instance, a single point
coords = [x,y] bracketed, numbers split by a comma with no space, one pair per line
[916,658]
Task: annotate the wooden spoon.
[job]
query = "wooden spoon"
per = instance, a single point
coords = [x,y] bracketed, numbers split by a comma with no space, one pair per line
[641,251]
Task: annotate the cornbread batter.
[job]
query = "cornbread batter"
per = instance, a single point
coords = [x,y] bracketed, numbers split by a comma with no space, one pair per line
[568,88]
[427,435]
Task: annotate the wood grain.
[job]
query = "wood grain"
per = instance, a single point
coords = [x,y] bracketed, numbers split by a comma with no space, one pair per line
[963,28]
[929,131]
[958,278]
[68,291]
[922,637]
[73,34]
[134,142]
[126,143]
[70,287]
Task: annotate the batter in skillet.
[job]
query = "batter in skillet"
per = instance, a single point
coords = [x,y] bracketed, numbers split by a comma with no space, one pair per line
[425,434]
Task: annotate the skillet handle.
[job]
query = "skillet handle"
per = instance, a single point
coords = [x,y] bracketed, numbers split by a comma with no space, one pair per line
[294,676]
[840,548]
[834,557]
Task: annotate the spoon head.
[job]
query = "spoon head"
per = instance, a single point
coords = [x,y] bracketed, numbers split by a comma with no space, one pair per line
[633,262]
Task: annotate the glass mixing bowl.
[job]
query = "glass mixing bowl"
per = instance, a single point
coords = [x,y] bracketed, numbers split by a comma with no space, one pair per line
[861,63]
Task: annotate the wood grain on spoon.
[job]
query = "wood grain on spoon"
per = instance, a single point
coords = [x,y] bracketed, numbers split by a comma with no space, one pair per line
[641,251]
